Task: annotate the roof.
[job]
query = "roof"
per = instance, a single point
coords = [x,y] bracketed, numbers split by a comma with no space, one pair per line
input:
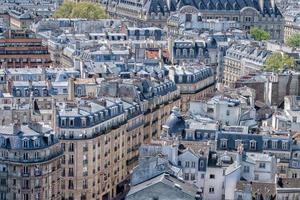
[288,183]
[257,188]
[173,189]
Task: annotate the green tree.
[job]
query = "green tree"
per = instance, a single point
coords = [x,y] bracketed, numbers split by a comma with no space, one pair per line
[85,10]
[278,61]
[65,10]
[294,40]
[259,34]
[88,10]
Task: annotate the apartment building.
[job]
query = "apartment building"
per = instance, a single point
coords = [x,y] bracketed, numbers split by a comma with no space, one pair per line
[242,60]
[30,162]
[194,82]
[23,52]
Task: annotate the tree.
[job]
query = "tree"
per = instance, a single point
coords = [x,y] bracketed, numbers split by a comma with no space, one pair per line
[88,10]
[279,61]
[294,40]
[65,10]
[259,34]
[84,10]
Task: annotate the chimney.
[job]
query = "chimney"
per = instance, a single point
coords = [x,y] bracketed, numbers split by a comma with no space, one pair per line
[71,86]
[261,5]
[17,127]
[273,4]
[53,114]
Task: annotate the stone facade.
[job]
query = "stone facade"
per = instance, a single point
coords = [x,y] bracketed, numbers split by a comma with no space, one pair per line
[30,163]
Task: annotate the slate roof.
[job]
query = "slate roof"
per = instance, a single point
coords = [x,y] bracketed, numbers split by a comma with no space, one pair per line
[228,5]
[172,187]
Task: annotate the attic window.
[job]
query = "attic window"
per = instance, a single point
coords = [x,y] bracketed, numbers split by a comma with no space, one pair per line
[25,144]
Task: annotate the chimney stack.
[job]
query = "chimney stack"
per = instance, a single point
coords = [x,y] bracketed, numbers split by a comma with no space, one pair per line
[17,127]
[71,94]
[273,4]
[262,5]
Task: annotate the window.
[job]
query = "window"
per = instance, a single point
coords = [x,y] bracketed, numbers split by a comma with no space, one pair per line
[211,190]
[202,176]
[295,119]
[193,164]
[83,122]
[192,176]
[252,144]
[25,156]
[71,185]
[188,17]
[274,144]
[262,165]
[186,176]
[237,143]
[25,144]
[284,145]
[223,143]
[246,169]
[212,176]
[63,122]
[187,164]
[71,122]
[71,147]
[85,184]
[227,112]
[201,164]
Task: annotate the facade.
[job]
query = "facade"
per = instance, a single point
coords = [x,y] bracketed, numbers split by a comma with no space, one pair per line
[242,60]
[291,27]
[30,162]
[194,83]
[248,13]
[273,87]
[23,52]
[96,133]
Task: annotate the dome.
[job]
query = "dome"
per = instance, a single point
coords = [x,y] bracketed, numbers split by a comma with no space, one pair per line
[175,123]
[211,42]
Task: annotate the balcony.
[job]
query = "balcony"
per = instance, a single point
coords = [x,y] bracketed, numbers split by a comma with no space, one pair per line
[71,174]
[25,174]
[37,172]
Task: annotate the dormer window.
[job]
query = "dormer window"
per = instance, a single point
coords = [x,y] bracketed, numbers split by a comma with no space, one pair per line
[252,144]
[265,144]
[71,122]
[45,92]
[36,143]
[83,122]
[284,145]
[18,93]
[223,143]
[274,144]
[237,143]
[63,122]
[25,144]
[36,92]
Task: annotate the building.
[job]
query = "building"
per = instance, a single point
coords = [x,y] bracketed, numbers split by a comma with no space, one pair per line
[292,26]
[288,188]
[30,162]
[98,141]
[242,60]
[194,83]
[23,52]
[272,87]
[247,13]
[164,186]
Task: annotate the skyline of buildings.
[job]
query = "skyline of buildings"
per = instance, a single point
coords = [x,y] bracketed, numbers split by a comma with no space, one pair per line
[162,100]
